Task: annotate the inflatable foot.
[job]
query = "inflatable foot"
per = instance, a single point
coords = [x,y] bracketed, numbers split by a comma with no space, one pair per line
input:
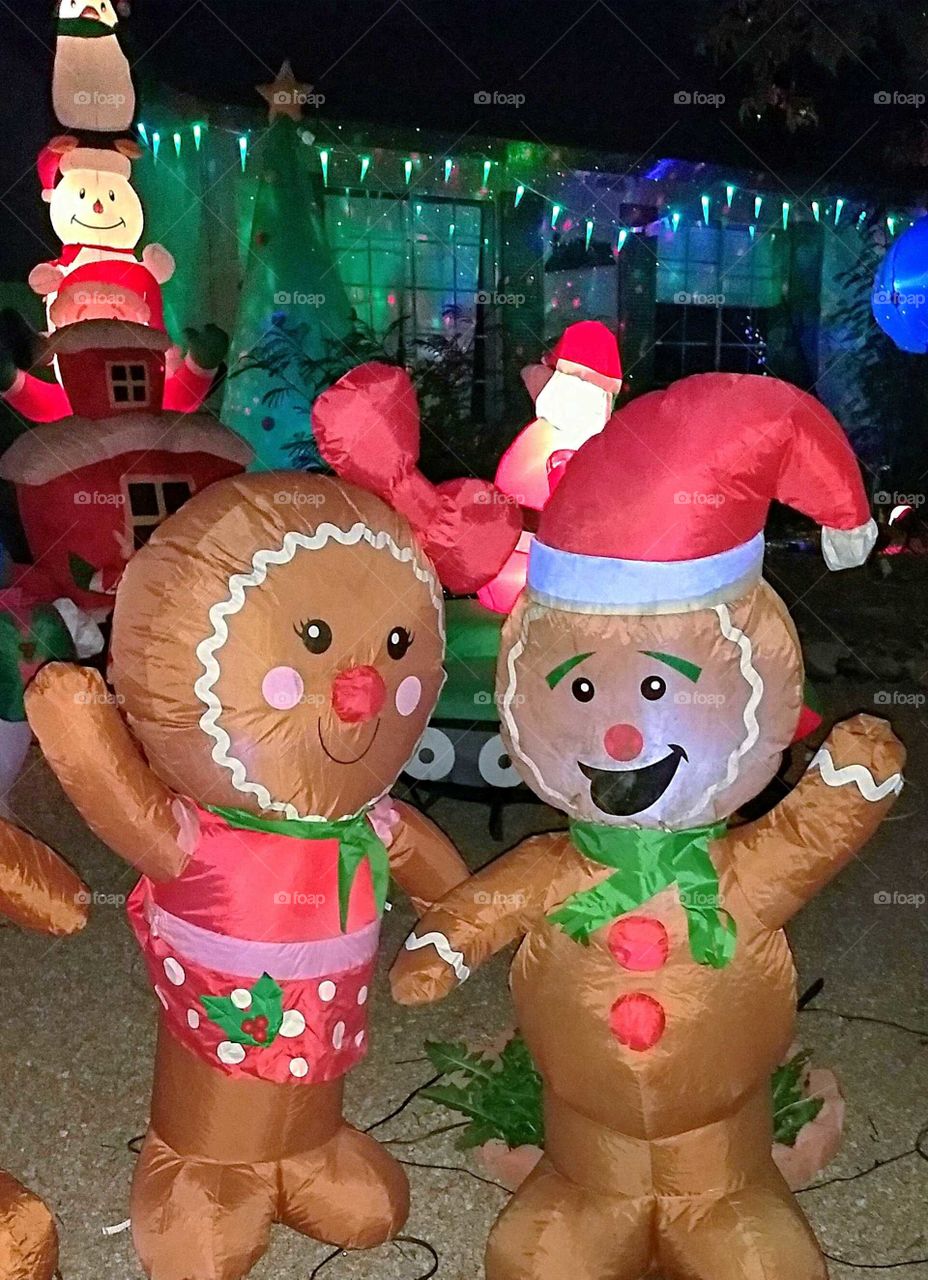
[349,1192]
[199,1219]
[28,1240]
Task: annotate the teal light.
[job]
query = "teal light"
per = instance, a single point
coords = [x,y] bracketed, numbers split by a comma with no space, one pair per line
[407,170]
[675,219]
[197,135]
[730,193]
[752,231]
[620,239]
[451,231]
[839,206]
[589,232]
[487,166]
[324,161]
[155,144]
[365,165]
[143,132]
[785,214]
[449,167]
[555,214]
[520,192]
[177,143]
[243,149]
[816,210]
[706,202]
[861,219]
[891,225]
[758,205]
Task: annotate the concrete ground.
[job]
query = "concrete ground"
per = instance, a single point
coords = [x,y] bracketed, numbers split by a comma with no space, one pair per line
[78,1021]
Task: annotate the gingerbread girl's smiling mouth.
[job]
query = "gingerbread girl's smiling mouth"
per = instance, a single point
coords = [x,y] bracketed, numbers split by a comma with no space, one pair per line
[623,792]
[351,759]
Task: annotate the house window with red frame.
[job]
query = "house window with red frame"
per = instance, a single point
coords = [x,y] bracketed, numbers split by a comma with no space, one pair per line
[128,385]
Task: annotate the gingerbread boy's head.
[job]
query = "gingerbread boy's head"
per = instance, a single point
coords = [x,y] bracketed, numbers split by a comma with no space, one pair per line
[277,647]
[648,676]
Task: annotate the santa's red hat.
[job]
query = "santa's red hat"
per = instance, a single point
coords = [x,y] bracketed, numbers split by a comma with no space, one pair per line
[588,350]
[664,510]
[48,162]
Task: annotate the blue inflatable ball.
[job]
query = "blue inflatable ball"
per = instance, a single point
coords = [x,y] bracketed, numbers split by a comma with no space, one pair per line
[900,290]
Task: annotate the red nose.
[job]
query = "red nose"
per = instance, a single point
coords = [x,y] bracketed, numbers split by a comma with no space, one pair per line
[623,742]
[97,206]
[358,694]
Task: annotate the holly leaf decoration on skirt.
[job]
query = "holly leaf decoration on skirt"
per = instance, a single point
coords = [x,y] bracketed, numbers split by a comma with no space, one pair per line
[250,1015]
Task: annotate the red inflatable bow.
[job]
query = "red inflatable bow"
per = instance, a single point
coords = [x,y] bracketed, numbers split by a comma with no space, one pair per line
[367,429]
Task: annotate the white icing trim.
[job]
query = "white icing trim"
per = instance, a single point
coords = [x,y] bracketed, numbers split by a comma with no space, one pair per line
[444,948]
[858,774]
[207,649]
[848,548]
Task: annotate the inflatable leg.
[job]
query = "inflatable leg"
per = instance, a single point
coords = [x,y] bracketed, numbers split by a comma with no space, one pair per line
[553,1229]
[349,1192]
[199,1219]
[756,1233]
[28,1240]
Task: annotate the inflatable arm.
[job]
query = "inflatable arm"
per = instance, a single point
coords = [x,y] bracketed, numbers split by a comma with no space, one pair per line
[85,740]
[480,917]
[783,859]
[423,861]
[37,890]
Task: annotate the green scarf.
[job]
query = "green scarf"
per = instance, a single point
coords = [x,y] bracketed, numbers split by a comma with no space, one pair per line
[356,838]
[646,862]
[84,28]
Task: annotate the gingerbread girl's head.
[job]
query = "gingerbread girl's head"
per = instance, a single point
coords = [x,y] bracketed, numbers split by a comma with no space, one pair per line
[648,676]
[277,646]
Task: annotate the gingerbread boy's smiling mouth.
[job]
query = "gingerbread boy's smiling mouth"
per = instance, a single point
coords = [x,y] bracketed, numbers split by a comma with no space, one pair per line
[623,792]
[350,759]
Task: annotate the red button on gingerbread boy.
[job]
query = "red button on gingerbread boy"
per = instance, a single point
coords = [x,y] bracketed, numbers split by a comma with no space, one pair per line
[648,681]
[276,653]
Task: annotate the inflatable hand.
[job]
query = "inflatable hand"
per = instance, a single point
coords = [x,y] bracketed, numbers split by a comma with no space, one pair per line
[45,278]
[158,261]
[207,346]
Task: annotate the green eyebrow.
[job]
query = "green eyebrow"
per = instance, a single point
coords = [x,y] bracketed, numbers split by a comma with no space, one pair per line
[688,669]
[557,675]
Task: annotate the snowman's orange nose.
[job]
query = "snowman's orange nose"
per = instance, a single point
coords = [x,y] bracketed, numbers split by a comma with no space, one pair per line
[358,694]
[623,742]
[97,206]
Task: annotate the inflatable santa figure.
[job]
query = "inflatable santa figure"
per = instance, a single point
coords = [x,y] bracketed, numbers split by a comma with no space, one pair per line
[573,392]
[91,82]
[99,275]
[648,681]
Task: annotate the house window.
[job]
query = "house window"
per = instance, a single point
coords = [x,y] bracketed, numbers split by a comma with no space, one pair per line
[418,259]
[714,288]
[128,384]
[149,499]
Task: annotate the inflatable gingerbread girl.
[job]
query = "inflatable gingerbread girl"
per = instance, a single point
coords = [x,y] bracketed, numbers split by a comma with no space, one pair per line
[276,653]
[573,389]
[648,681]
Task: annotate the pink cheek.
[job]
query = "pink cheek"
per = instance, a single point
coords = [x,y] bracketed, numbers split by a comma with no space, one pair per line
[282,688]
[408,695]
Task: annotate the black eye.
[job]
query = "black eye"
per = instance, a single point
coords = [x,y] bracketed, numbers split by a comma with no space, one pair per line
[82,192]
[583,689]
[398,642]
[315,634]
[113,195]
[653,688]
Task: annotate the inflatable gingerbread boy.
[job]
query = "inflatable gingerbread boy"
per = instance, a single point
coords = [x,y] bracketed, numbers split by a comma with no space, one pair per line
[276,653]
[648,681]
[573,390]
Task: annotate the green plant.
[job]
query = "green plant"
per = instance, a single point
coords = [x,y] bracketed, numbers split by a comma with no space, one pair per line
[793,1109]
[500,1095]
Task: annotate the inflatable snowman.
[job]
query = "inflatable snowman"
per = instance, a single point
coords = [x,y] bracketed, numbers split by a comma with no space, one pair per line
[573,392]
[648,681]
[91,82]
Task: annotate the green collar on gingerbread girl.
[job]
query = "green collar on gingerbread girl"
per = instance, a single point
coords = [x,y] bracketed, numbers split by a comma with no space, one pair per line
[646,862]
[356,838]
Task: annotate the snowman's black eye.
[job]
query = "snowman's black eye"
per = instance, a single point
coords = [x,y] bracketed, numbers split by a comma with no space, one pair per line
[398,642]
[583,689]
[315,634]
[82,192]
[652,688]
[113,195]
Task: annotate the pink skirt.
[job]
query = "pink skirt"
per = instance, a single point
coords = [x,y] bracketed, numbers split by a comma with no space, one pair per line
[291,1012]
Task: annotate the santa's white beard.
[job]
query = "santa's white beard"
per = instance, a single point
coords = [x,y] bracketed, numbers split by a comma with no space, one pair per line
[575,408]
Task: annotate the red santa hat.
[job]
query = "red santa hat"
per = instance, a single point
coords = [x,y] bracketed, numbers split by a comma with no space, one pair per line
[48,162]
[664,510]
[588,350]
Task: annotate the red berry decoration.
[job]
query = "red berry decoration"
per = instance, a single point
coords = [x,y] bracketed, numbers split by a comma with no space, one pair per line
[248,1027]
